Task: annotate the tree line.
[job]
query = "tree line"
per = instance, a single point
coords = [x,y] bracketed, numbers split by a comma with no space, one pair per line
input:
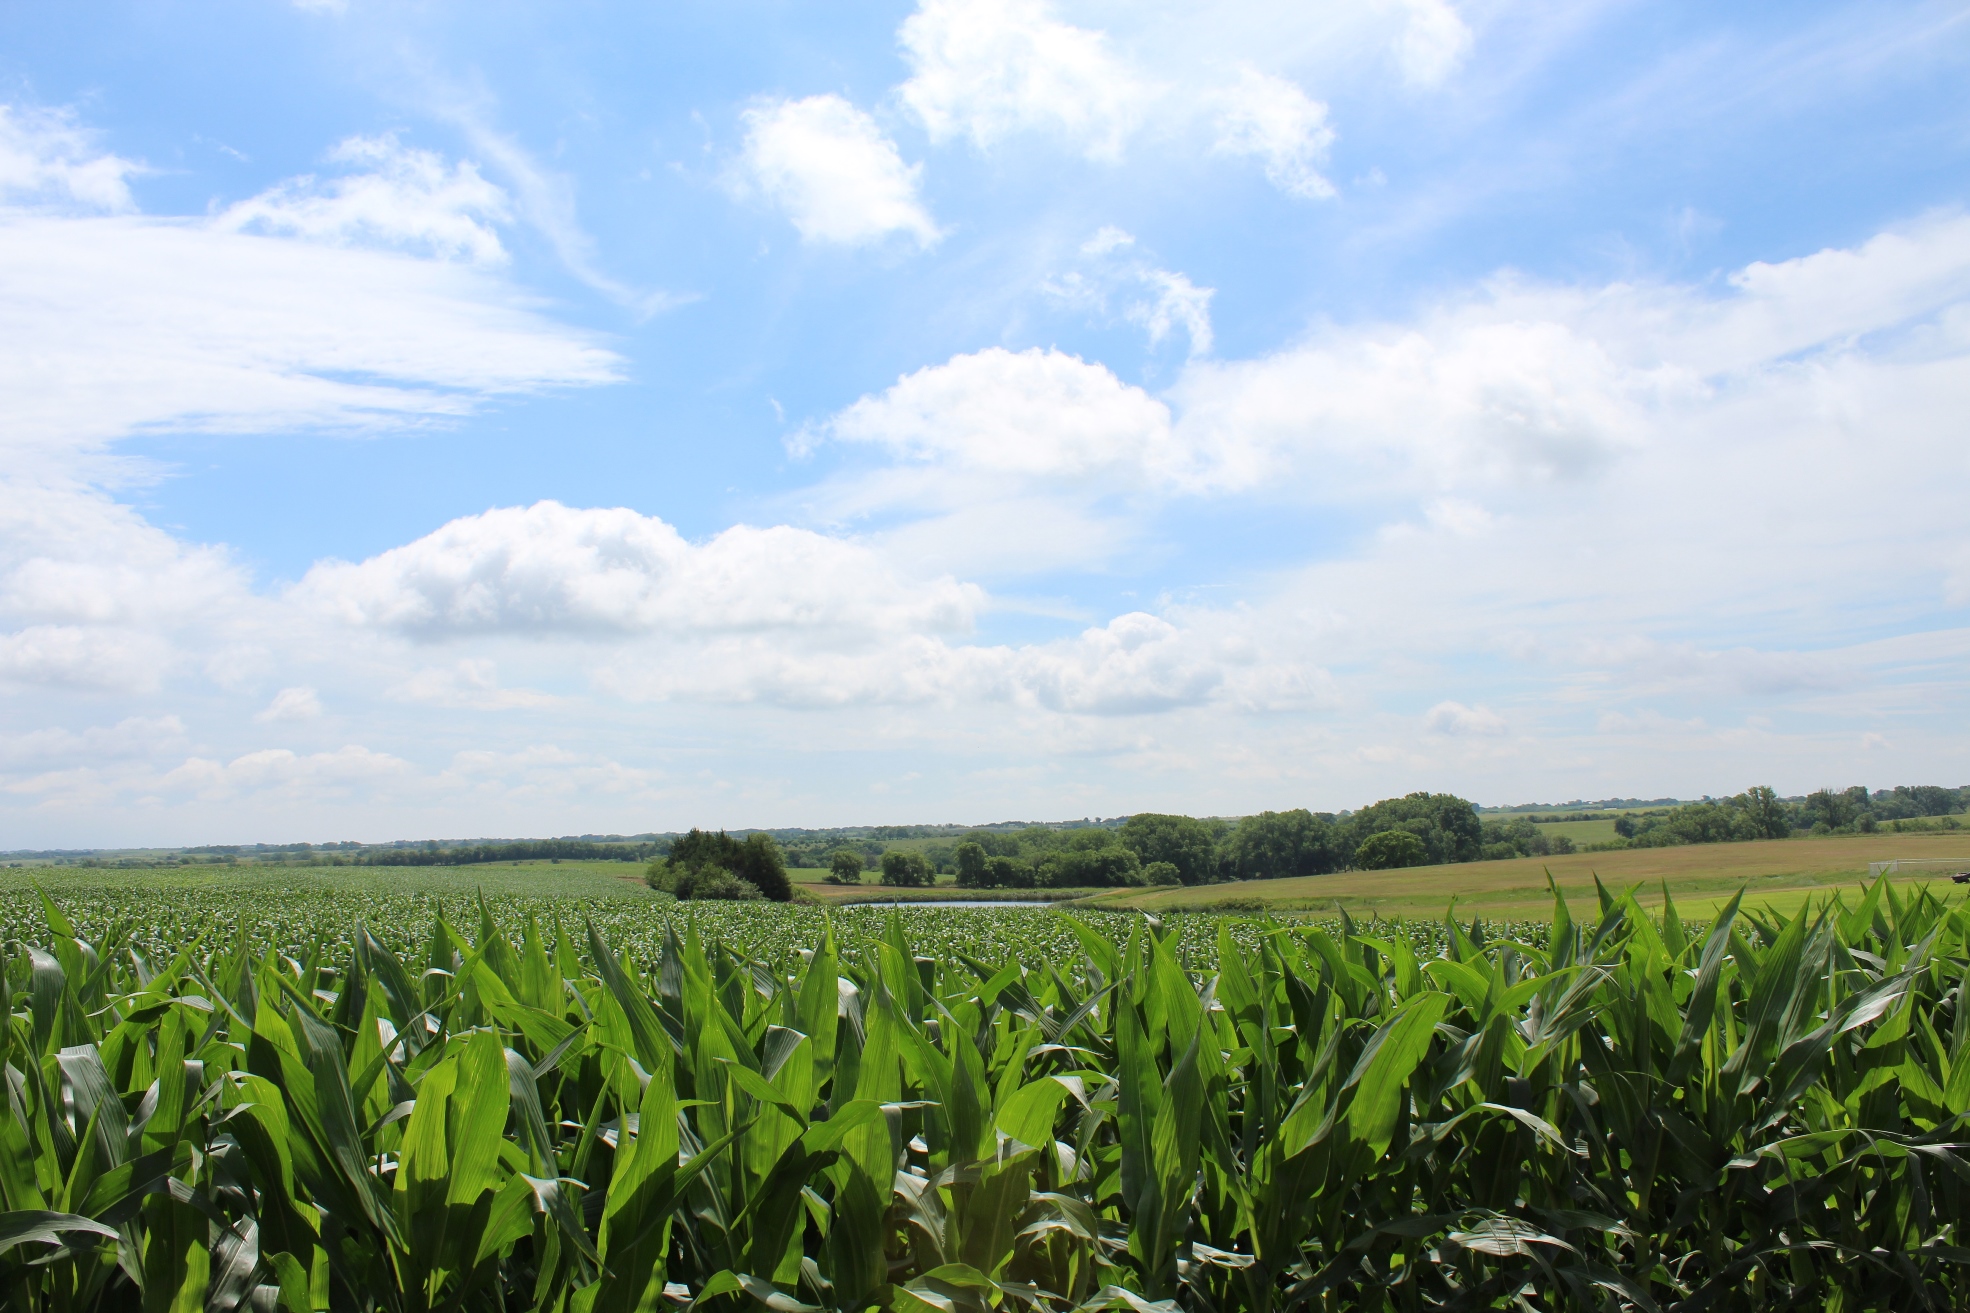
[1152,848]
[1759,813]
[526,850]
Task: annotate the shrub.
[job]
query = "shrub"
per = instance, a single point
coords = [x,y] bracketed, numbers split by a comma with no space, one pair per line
[1390,849]
[1162,873]
[715,883]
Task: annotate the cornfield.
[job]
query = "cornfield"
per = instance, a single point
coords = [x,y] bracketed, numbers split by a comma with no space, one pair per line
[1614,1113]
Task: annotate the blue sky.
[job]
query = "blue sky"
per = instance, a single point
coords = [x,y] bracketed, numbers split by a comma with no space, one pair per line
[495,420]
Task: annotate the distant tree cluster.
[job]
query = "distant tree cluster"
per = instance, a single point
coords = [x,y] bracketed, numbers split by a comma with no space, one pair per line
[1759,813]
[704,865]
[1153,848]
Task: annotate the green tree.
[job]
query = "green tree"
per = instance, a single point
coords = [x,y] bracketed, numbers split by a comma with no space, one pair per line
[701,848]
[905,870]
[1447,825]
[1389,849]
[970,858]
[1183,841]
[996,843]
[1007,873]
[1104,867]
[695,855]
[761,865]
[845,867]
[1276,844]
[1766,812]
[1161,873]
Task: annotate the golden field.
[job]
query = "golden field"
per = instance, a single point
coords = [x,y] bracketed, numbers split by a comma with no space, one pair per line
[1779,873]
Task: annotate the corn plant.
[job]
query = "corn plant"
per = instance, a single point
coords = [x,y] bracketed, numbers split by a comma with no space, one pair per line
[1622,1112]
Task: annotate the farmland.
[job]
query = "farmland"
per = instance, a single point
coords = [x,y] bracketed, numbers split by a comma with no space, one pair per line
[1581,832]
[588,1098]
[1779,873]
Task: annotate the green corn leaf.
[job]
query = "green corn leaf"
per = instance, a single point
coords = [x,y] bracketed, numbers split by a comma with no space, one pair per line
[1384,1070]
[47,1228]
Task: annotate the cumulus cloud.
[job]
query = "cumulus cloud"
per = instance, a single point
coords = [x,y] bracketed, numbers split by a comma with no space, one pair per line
[368,301]
[833,171]
[282,772]
[291,704]
[1459,721]
[1271,119]
[404,197]
[1136,664]
[987,69]
[1036,414]
[549,569]
[109,659]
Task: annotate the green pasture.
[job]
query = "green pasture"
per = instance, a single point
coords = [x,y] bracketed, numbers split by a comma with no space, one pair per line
[1581,832]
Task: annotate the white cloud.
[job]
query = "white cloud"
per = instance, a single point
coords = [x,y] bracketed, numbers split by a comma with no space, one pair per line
[987,69]
[1459,721]
[1033,414]
[834,173]
[132,737]
[408,198]
[47,158]
[1433,43]
[472,684]
[1136,664]
[142,324]
[546,200]
[546,772]
[1469,399]
[1273,120]
[116,660]
[1649,665]
[1159,300]
[281,772]
[548,569]
[292,704]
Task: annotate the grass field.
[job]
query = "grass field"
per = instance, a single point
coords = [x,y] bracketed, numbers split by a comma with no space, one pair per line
[1701,877]
[1581,832]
